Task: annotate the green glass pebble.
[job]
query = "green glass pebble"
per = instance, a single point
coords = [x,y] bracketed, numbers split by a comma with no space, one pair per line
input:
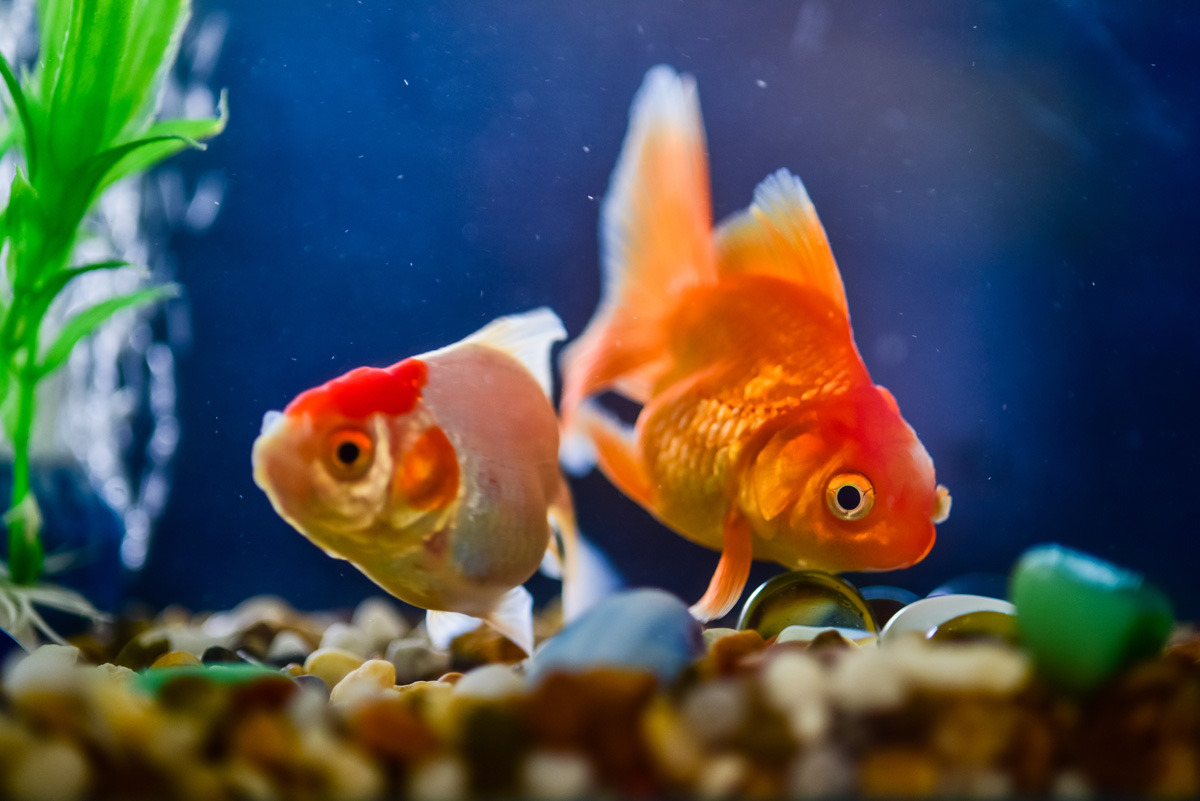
[806,598]
[219,673]
[1083,618]
[982,626]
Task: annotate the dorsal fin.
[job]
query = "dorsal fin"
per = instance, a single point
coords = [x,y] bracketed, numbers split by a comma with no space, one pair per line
[527,338]
[780,234]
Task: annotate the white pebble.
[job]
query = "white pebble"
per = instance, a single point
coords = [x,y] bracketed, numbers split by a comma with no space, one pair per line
[721,776]
[868,681]
[714,634]
[490,682]
[347,638]
[556,775]
[792,678]
[379,619]
[54,771]
[714,711]
[46,668]
[416,660]
[441,779]
[261,608]
[287,644]
[820,773]
[810,633]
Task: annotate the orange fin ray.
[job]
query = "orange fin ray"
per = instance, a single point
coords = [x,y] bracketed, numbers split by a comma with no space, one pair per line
[656,240]
[729,580]
[780,234]
[612,445]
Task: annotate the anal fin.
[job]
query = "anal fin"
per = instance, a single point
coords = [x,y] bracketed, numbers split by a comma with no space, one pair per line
[616,452]
[513,617]
[445,627]
[725,588]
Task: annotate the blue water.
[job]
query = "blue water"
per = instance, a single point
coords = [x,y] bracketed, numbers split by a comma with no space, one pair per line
[1009,188]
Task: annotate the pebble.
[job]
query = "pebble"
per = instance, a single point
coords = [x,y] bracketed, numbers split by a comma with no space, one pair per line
[220,655]
[806,634]
[822,772]
[1084,618]
[643,629]
[975,627]
[489,682]
[373,678]
[53,771]
[287,646]
[440,779]
[556,776]
[348,638]
[312,683]
[46,668]
[331,665]
[928,613]
[417,660]
[715,634]
[715,710]
[176,659]
[379,619]
[806,598]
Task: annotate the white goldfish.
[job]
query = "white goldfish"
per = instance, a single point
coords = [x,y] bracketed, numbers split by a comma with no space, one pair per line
[437,477]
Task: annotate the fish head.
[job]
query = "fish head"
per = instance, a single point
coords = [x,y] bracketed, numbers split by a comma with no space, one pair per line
[328,462]
[327,476]
[850,487]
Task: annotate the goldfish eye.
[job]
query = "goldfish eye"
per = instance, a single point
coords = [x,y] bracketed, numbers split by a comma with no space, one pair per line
[850,496]
[350,453]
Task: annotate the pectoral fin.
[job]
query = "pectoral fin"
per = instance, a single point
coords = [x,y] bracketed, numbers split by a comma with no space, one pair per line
[513,617]
[782,469]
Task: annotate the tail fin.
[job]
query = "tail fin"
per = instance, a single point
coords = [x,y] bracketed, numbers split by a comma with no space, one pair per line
[656,239]
[586,573]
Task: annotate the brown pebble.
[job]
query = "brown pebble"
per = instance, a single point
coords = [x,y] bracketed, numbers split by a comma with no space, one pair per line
[390,729]
[219,655]
[897,773]
[728,653]
[139,655]
[175,659]
[450,678]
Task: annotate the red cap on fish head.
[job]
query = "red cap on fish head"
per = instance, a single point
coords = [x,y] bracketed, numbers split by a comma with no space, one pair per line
[365,391]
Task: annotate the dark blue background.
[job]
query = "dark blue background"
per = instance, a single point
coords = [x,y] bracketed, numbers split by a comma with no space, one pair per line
[1010,190]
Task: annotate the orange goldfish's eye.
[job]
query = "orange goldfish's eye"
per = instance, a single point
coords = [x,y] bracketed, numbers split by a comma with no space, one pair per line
[850,496]
[350,453]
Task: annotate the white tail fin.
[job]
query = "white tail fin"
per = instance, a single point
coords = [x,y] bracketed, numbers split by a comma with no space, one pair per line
[527,338]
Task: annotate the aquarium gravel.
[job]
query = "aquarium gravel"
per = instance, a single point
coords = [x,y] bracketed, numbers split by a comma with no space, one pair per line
[266,702]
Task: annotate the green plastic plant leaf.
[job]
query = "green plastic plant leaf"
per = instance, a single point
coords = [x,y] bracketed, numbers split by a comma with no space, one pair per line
[87,320]
[156,27]
[22,107]
[178,135]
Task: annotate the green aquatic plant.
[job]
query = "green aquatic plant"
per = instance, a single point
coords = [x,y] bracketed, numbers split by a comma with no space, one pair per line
[81,119]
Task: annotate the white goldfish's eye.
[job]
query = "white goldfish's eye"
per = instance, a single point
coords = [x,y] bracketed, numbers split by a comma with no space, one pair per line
[850,496]
[350,453]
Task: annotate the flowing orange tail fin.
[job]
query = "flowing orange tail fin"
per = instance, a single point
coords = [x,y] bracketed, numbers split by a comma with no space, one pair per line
[656,239]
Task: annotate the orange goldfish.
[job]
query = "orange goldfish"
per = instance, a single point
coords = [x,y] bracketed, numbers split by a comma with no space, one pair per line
[437,477]
[760,434]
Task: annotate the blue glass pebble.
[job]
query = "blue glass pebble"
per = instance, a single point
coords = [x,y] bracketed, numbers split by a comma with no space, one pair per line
[637,629]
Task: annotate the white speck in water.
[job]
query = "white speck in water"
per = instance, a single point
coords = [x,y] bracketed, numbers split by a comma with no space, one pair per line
[760,83]
[587,149]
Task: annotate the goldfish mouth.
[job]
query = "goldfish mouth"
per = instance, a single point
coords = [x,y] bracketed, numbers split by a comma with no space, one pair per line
[270,422]
[941,505]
